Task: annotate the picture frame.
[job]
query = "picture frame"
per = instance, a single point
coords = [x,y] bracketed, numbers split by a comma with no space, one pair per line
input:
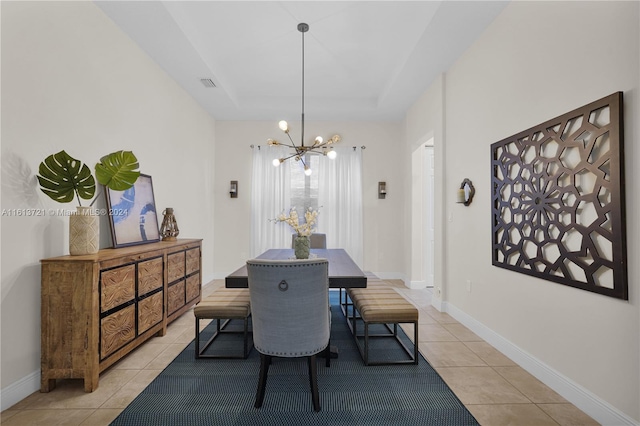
[132,214]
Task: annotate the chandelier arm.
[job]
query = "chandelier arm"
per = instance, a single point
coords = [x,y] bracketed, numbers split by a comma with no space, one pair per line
[293,144]
[291,156]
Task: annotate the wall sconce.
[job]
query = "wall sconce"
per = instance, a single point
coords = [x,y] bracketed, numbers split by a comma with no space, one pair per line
[466,192]
[382,190]
[233,189]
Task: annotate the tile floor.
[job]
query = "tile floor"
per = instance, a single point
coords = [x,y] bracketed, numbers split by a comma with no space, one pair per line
[494,389]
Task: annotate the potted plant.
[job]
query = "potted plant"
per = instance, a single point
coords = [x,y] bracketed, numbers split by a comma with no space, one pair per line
[64,178]
[301,243]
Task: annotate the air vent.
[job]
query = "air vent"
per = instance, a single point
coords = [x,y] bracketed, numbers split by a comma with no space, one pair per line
[207,82]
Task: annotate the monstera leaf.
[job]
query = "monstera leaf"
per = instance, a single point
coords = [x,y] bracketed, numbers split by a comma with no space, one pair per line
[62,177]
[117,171]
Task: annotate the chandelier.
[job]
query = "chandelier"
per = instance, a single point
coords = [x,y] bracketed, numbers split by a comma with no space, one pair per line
[319,146]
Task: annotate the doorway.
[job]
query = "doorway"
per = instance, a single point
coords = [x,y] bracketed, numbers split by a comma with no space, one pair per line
[422,216]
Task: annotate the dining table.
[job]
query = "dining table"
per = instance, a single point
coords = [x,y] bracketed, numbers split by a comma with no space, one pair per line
[343,271]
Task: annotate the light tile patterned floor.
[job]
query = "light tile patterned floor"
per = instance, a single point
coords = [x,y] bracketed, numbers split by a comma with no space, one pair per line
[495,389]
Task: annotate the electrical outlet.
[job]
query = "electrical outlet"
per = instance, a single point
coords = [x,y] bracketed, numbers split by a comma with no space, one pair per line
[468,286]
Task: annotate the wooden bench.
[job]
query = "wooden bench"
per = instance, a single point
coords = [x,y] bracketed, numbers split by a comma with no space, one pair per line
[380,304]
[224,304]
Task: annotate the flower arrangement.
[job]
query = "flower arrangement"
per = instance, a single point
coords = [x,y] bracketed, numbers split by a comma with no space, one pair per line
[301,229]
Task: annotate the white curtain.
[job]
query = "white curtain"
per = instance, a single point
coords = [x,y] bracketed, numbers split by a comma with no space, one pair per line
[340,195]
[270,195]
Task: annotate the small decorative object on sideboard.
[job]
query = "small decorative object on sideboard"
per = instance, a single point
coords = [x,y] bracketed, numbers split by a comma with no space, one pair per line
[84,231]
[169,229]
[62,178]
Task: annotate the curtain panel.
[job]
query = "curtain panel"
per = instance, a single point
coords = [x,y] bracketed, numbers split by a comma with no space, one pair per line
[340,195]
[270,195]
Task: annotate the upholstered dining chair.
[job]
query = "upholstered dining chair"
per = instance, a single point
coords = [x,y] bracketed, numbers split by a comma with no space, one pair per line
[290,312]
[317,241]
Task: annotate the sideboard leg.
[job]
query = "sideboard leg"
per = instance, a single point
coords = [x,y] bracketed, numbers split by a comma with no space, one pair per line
[91,382]
[47,385]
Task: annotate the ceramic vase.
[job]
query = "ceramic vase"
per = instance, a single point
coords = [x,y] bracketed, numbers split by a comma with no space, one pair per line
[301,246]
[84,231]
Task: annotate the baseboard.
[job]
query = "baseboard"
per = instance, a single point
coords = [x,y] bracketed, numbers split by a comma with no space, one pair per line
[19,390]
[390,276]
[418,284]
[206,280]
[437,303]
[600,410]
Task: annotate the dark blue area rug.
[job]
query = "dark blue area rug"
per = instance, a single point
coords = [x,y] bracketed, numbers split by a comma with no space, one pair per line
[222,391]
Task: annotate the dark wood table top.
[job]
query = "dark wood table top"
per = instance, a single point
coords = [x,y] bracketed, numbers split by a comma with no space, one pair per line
[343,271]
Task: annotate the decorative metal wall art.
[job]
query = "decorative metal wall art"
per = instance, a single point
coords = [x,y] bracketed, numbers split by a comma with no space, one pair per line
[558,205]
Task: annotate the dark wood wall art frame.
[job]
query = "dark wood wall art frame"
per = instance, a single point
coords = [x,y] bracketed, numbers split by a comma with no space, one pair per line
[558,200]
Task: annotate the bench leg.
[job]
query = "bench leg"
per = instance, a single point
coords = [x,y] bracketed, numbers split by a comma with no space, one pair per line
[220,329]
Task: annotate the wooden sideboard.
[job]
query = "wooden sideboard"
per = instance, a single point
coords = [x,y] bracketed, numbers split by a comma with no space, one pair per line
[98,308]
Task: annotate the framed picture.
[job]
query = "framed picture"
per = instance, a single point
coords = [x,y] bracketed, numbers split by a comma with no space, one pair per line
[132,214]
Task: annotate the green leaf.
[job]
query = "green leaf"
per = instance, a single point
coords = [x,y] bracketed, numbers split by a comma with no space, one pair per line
[118,170]
[62,177]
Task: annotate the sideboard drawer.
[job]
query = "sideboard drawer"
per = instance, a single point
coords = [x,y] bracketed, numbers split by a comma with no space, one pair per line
[175,266]
[193,261]
[193,287]
[117,286]
[150,312]
[116,330]
[149,275]
[175,297]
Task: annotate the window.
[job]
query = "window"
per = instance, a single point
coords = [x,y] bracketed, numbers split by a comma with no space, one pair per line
[304,189]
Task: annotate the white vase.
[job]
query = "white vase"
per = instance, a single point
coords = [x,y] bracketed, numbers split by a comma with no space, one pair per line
[84,231]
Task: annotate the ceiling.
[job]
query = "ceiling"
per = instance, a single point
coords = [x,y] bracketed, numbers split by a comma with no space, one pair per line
[363,60]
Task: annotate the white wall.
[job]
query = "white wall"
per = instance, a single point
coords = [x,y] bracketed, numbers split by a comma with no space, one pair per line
[424,121]
[536,61]
[72,80]
[383,219]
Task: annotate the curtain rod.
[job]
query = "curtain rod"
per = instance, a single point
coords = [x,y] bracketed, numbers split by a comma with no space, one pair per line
[354,147]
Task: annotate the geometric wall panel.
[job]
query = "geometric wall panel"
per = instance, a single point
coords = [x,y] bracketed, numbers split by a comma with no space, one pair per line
[558,200]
